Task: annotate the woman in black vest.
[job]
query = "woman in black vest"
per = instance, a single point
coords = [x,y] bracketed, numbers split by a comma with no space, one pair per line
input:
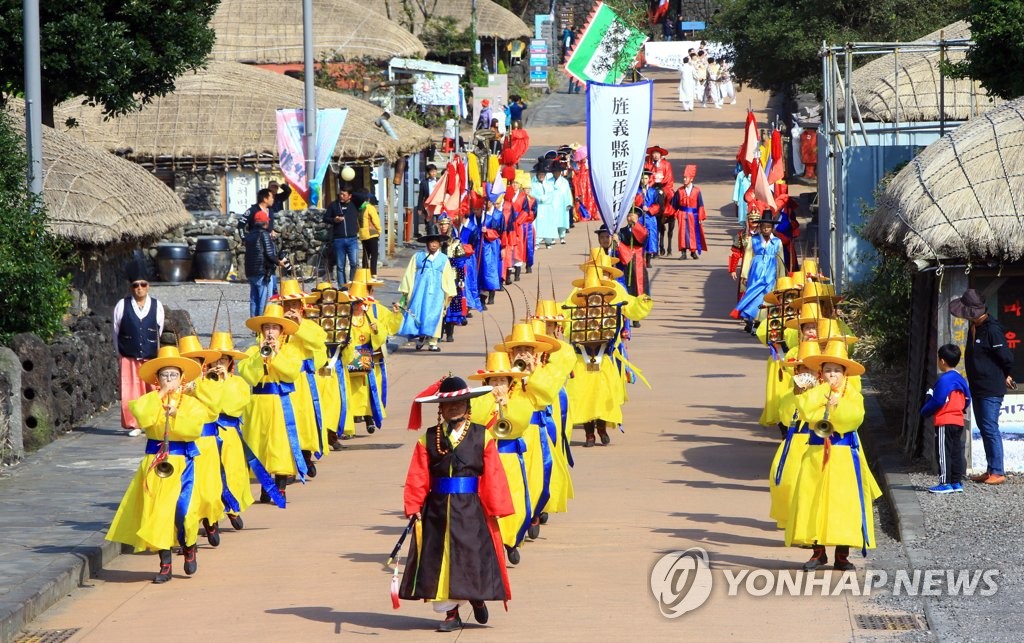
[138,322]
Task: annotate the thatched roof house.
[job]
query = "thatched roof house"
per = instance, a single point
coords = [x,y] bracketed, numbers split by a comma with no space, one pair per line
[912,93]
[493,20]
[266,32]
[963,196]
[224,117]
[93,198]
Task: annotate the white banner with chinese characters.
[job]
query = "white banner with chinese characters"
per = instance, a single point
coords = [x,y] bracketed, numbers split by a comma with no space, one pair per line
[436,89]
[618,122]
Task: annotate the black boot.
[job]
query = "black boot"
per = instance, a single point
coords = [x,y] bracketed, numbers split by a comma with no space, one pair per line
[449,331]
[602,432]
[212,532]
[508,277]
[191,564]
[490,298]
[518,272]
[165,567]
[236,521]
[818,558]
[588,428]
[479,611]
[310,465]
[452,621]
[370,426]
[529,269]
[842,562]
[282,485]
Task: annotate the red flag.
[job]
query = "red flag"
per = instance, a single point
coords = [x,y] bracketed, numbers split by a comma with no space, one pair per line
[749,150]
[778,169]
[659,11]
[760,187]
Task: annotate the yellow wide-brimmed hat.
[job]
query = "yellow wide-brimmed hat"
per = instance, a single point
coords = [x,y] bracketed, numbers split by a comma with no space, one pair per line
[600,258]
[364,275]
[540,333]
[829,329]
[817,291]
[547,310]
[498,365]
[593,282]
[291,290]
[221,342]
[272,314]
[805,350]
[810,313]
[782,286]
[835,353]
[334,295]
[811,268]
[523,335]
[358,291]
[798,278]
[169,356]
[190,346]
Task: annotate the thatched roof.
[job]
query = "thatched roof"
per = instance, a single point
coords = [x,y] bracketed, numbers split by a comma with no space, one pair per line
[225,115]
[95,198]
[963,196]
[875,85]
[492,19]
[270,32]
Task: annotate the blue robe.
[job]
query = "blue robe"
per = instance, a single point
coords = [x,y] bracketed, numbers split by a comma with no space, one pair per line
[426,301]
[764,270]
[490,253]
[651,223]
[469,234]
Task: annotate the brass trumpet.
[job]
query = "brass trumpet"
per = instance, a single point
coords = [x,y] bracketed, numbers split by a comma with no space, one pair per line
[503,427]
[266,351]
[520,365]
[823,428]
[162,466]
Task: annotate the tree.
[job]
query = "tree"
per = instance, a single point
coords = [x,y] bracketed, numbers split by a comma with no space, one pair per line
[34,285]
[116,54]
[777,44]
[997,28]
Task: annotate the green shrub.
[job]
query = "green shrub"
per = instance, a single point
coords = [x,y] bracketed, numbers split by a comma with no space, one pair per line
[34,285]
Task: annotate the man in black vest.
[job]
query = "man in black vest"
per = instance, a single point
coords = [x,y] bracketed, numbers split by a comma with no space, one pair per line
[138,323]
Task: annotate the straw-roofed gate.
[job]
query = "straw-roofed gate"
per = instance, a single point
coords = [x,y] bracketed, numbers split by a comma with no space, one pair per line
[957,212]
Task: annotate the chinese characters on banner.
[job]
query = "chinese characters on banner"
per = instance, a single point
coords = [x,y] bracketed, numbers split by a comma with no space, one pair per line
[618,122]
[292,155]
[437,89]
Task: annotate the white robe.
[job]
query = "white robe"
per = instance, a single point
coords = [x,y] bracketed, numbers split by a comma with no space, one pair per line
[687,85]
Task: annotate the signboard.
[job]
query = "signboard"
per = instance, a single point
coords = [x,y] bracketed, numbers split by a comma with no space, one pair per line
[241,190]
[538,77]
[669,54]
[606,49]
[436,89]
[693,25]
[543,26]
[1011,425]
[539,61]
[497,95]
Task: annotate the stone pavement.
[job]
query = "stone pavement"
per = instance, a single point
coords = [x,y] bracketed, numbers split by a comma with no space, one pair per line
[689,471]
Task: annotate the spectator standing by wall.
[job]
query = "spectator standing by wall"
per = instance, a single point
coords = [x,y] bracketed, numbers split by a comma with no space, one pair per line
[426,187]
[261,262]
[280,194]
[988,362]
[343,217]
[138,322]
[369,232]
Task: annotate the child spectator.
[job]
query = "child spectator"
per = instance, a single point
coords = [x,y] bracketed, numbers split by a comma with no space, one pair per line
[947,402]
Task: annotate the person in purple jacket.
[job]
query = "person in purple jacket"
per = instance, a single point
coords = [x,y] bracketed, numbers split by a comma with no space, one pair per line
[947,401]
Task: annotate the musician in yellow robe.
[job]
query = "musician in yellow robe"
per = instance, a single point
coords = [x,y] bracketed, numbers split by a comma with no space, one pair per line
[157,511]
[775,327]
[331,384]
[363,359]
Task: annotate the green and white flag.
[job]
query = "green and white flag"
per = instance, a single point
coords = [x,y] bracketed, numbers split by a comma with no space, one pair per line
[606,48]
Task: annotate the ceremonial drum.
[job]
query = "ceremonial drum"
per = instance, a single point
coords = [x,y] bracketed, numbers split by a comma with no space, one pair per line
[594,323]
[333,316]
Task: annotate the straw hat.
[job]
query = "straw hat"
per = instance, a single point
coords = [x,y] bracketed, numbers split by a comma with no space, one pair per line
[540,333]
[169,356]
[593,282]
[358,291]
[190,346]
[810,313]
[547,310]
[806,349]
[291,290]
[815,291]
[782,285]
[272,314]
[830,329]
[835,353]
[427,238]
[222,343]
[364,275]
[523,335]
[601,259]
[498,365]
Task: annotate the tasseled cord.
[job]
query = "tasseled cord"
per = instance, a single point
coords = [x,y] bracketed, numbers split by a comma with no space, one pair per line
[416,411]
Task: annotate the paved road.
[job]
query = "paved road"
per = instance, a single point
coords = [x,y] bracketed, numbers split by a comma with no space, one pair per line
[689,471]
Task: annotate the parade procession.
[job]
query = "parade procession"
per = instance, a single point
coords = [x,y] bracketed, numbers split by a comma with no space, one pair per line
[588,342]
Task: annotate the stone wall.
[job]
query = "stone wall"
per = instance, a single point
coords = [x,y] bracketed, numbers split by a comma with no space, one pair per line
[67,381]
[11,447]
[200,190]
[301,236]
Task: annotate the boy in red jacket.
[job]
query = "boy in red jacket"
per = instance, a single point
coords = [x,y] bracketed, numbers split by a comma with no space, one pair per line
[947,402]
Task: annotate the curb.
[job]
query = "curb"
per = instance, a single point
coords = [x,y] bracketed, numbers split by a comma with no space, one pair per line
[28,601]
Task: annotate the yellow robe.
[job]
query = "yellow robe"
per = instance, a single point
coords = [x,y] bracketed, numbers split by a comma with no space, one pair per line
[778,380]
[362,334]
[145,517]
[331,406]
[826,506]
[236,396]
[559,365]
[794,447]
[600,394]
[263,424]
[209,486]
[309,339]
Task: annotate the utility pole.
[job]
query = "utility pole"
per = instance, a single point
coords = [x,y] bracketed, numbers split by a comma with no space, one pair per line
[309,111]
[33,98]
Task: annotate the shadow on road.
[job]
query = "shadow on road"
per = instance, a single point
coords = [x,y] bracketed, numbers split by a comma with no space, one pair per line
[381,620]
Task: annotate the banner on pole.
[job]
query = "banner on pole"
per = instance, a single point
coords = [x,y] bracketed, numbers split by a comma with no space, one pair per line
[617,144]
[605,49]
[291,154]
[436,89]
